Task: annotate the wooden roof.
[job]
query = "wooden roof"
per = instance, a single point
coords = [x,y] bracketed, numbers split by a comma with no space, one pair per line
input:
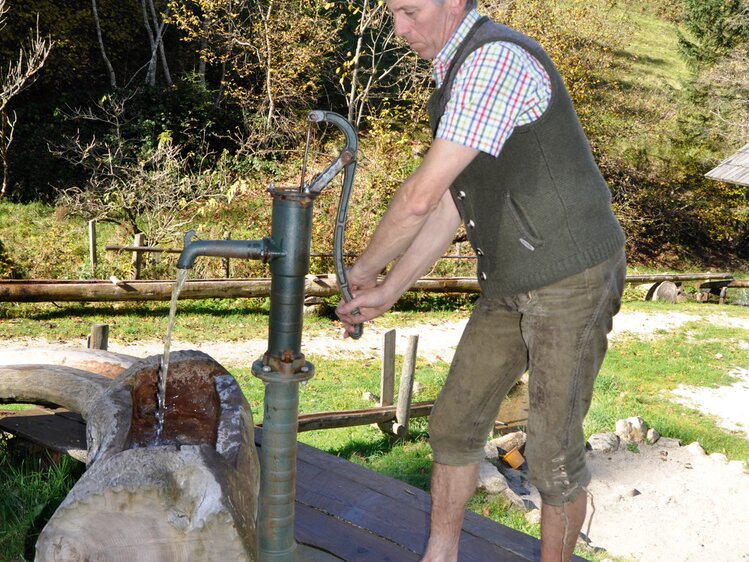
[734,169]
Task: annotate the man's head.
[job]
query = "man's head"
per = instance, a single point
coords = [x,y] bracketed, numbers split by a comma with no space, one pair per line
[426,25]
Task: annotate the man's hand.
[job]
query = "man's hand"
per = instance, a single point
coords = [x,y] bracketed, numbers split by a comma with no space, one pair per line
[371,303]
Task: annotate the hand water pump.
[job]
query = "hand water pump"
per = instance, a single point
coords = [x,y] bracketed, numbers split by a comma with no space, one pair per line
[283,366]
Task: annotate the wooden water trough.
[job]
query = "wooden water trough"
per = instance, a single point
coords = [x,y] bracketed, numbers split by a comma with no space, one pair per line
[343,511]
[185,491]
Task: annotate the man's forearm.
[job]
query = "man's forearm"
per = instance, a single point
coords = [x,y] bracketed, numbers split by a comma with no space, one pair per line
[417,199]
[396,232]
[434,237]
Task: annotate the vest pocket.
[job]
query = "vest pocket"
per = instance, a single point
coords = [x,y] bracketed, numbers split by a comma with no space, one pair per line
[528,236]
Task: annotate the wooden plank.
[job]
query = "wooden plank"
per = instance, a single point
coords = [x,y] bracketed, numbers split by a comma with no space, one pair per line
[366,416]
[351,543]
[400,497]
[59,430]
[402,514]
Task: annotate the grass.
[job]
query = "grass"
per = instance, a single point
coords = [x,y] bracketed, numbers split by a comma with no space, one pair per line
[197,321]
[33,487]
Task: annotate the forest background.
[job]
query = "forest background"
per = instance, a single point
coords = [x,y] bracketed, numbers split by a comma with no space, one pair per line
[155,116]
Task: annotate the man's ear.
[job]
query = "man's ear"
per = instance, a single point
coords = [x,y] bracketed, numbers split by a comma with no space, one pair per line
[456,6]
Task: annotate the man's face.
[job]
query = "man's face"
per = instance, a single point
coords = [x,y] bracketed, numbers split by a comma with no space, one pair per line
[425,25]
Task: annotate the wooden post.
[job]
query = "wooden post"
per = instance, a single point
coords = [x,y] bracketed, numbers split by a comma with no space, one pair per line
[387,377]
[99,336]
[139,240]
[225,261]
[387,371]
[92,246]
[402,411]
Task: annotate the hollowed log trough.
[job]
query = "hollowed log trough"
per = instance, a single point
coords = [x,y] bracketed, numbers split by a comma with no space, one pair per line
[193,496]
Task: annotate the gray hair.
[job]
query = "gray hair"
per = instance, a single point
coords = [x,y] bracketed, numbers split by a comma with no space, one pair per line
[470,4]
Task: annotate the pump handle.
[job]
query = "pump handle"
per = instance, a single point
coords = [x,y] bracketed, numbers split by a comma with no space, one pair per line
[346,161]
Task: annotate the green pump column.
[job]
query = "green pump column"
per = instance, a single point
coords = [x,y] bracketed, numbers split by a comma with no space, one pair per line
[282,369]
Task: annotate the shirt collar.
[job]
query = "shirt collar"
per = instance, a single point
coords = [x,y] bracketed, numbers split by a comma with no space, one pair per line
[441,62]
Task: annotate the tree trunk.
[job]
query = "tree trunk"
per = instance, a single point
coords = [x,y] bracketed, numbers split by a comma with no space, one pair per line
[160,27]
[96,361]
[191,495]
[268,70]
[151,72]
[110,69]
[7,126]
[70,388]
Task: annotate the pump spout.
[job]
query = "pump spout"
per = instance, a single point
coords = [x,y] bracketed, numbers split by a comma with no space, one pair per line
[263,250]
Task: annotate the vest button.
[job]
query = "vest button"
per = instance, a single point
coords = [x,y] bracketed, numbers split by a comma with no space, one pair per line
[479,252]
[471,224]
[461,194]
[483,276]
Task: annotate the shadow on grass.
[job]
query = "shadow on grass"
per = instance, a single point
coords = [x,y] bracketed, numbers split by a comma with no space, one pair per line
[409,461]
[218,309]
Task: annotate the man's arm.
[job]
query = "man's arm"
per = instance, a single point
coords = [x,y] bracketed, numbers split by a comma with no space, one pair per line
[419,224]
[411,206]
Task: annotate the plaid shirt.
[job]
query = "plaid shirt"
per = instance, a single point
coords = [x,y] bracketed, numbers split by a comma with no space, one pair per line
[499,87]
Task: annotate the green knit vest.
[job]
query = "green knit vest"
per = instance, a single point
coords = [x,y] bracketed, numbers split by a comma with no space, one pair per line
[541,211]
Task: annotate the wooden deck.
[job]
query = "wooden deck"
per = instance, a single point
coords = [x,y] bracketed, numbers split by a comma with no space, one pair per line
[341,508]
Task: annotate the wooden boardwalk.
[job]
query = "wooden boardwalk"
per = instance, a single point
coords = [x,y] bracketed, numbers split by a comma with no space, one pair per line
[341,508]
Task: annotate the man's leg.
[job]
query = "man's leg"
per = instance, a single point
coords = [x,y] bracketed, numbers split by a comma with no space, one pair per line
[490,357]
[560,527]
[452,487]
[566,326]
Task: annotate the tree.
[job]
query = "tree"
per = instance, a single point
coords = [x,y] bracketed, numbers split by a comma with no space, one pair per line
[271,56]
[155,25]
[716,28]
[378,67]
[149,190]
[20,74]
[107,62]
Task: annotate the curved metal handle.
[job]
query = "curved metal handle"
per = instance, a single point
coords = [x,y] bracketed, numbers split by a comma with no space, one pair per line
[346,161]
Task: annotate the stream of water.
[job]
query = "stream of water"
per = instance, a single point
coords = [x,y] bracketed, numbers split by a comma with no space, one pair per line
[164,367]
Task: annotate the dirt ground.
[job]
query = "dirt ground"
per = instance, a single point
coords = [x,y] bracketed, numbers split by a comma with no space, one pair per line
[657,505]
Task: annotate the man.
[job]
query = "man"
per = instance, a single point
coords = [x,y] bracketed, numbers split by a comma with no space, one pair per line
[510,159]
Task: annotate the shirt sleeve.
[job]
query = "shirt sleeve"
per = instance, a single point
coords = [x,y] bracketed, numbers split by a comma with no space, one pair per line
[498,87]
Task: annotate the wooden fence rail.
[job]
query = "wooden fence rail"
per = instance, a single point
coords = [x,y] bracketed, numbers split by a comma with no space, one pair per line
[48,290]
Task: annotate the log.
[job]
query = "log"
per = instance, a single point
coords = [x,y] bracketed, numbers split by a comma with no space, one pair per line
[55,385]
[676,277]
[47,290]
[192,495]
[97,361]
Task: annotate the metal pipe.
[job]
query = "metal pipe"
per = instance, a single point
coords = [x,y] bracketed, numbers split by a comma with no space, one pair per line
[282,368]
[263,250]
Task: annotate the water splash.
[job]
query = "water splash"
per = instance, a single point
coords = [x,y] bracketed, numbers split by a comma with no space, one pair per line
[164,366]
